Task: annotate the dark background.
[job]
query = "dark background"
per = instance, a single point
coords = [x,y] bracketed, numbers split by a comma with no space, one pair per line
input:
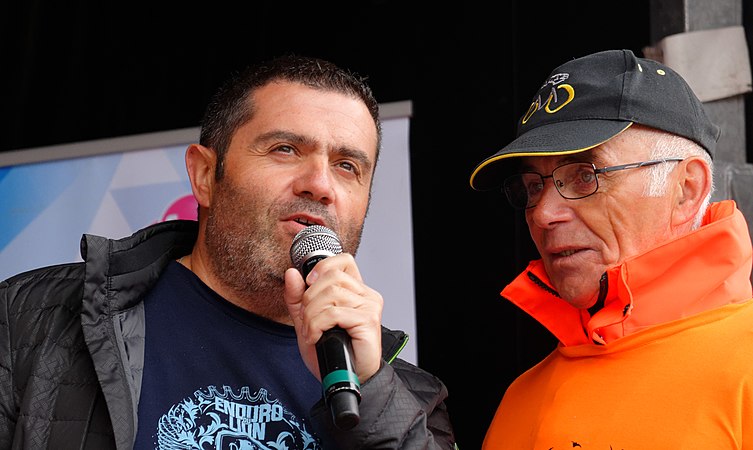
[75,71]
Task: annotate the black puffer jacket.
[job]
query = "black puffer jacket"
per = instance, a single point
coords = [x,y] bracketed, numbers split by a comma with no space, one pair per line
[72,352]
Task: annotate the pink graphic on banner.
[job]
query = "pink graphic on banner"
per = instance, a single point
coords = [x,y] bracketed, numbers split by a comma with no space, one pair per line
[182,208]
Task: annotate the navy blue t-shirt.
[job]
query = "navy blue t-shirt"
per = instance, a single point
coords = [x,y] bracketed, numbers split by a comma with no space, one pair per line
[217,376]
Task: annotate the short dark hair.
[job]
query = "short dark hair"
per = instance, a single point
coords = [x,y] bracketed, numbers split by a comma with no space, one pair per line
[232,105]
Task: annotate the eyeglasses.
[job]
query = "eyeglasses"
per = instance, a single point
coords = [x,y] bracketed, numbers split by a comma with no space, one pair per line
[572,180]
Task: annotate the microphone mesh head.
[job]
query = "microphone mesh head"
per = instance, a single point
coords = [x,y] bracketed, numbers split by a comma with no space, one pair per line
[312,241]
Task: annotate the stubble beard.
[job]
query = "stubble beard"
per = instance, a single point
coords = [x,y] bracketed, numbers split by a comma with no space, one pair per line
[245,252]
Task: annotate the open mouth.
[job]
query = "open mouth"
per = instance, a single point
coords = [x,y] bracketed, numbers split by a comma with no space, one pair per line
[304,222]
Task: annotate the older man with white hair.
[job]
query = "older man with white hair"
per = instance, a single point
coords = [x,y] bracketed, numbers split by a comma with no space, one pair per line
[644,282]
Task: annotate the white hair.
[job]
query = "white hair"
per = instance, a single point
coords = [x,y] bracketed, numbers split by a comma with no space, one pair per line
[668,145]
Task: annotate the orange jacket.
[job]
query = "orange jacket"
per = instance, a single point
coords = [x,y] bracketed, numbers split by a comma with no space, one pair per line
[666,363]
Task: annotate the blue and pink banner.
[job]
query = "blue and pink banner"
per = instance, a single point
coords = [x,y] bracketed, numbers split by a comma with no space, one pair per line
[47,206]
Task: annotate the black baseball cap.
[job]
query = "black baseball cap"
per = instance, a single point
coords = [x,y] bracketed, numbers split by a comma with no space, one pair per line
[589,100]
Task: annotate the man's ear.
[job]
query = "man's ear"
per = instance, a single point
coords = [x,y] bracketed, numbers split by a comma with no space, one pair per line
[693,185]
[200,164]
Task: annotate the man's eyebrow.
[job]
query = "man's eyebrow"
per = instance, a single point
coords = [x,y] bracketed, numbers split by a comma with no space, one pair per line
[285,136]
[357,155]
[353,153]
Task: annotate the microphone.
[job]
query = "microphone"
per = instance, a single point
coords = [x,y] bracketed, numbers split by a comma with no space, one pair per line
[342,391]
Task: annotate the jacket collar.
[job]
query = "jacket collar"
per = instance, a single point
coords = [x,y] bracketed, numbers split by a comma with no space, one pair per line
[705,269]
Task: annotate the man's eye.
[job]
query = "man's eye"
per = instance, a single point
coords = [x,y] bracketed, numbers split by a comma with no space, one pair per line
[284,149]
[587,177]
[350,167]
[535,187]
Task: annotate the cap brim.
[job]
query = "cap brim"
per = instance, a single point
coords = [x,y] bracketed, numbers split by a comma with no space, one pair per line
[560,138]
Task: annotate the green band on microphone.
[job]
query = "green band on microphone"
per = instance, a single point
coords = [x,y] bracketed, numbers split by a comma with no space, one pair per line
[339,376]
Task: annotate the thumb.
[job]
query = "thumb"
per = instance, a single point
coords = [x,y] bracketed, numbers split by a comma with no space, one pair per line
[295,286]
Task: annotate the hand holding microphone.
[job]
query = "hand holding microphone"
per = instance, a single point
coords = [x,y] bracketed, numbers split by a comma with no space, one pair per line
[337,301]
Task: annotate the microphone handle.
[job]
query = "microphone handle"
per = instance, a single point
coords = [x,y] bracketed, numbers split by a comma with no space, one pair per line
[339,381]
[342,390]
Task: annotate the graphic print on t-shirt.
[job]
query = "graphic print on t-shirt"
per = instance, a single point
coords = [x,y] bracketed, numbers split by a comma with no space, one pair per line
[228,420]
[216,376]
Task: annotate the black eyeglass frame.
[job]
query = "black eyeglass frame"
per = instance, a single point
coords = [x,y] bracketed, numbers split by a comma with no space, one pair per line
[633,165]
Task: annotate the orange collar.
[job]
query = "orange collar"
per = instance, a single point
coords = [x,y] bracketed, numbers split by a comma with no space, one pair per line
[702,270]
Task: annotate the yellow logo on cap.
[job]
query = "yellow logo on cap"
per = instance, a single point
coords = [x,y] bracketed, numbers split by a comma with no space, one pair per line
[554,81]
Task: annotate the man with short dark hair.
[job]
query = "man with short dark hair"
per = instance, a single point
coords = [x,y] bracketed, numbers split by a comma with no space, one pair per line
[644,282]
[190,335]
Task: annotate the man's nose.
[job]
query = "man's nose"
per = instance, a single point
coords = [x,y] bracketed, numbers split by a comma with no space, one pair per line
[550,207]
[315,181]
